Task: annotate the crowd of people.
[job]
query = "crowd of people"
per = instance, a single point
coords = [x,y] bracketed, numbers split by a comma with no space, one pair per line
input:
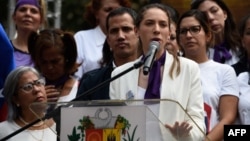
[202,62]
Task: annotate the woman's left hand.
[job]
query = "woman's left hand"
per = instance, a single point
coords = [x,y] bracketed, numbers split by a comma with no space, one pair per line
[179,129]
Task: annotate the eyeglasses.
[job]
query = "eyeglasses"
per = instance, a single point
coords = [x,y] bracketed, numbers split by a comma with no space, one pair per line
[27,88]
[193,30]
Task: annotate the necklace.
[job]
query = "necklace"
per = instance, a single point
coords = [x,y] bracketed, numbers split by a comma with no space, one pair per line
[35,125]
[35,136]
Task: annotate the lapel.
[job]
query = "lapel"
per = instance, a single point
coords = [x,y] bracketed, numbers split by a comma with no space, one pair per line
[167,85]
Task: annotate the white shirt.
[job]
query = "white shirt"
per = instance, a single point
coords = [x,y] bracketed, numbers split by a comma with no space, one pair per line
[244,100]
[89,49]
[47,134]
[71,95]
[217,80]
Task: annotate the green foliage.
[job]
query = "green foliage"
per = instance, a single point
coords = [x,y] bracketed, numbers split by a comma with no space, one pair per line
[4,12]
[72,14]
[122,123]
[74,136]
[131,138]
[85,123]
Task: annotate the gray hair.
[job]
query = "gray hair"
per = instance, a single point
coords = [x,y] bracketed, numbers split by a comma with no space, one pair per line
[10,89]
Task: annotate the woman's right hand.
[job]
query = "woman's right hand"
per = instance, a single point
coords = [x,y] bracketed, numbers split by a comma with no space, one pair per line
[52,93]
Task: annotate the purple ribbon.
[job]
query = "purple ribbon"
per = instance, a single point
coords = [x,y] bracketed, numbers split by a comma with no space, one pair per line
[221,53]
[154,81]
[30,2]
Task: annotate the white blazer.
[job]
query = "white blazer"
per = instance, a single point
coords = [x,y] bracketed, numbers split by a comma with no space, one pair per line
[185,89]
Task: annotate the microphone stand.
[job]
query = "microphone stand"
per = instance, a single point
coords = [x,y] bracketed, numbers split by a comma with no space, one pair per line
[88,92]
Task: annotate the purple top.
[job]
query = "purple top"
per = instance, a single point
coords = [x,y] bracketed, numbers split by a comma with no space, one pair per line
[221,53]
[154,80]
[22,58]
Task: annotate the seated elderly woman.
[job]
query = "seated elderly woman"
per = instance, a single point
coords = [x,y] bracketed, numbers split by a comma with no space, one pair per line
[24,86]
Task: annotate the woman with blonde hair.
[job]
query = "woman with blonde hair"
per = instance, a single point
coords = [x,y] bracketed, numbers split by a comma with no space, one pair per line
[28,16]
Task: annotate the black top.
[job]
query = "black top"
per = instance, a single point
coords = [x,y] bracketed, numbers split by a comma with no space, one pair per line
[241,66]
[92,79]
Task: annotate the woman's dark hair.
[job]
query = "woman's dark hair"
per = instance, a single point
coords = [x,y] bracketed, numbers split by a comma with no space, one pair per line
[55,38]
[242,24]
[173,13]
[201,18]
[245,56]
[107,54]
[232,37]
[94,5]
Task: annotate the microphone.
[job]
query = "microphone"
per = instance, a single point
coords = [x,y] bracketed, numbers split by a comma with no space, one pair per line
[153,48]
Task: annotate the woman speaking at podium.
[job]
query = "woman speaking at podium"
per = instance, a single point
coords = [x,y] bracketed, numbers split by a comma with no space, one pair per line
[171,77]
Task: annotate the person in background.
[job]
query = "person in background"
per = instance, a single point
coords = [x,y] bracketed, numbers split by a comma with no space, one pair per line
[28,16]
[244,72]
[90,42]
[54,54]
[119,48]
[220,87]
[7,64]
[227,47]
[153,24]
[24,86]
[243,64]
[172,45]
